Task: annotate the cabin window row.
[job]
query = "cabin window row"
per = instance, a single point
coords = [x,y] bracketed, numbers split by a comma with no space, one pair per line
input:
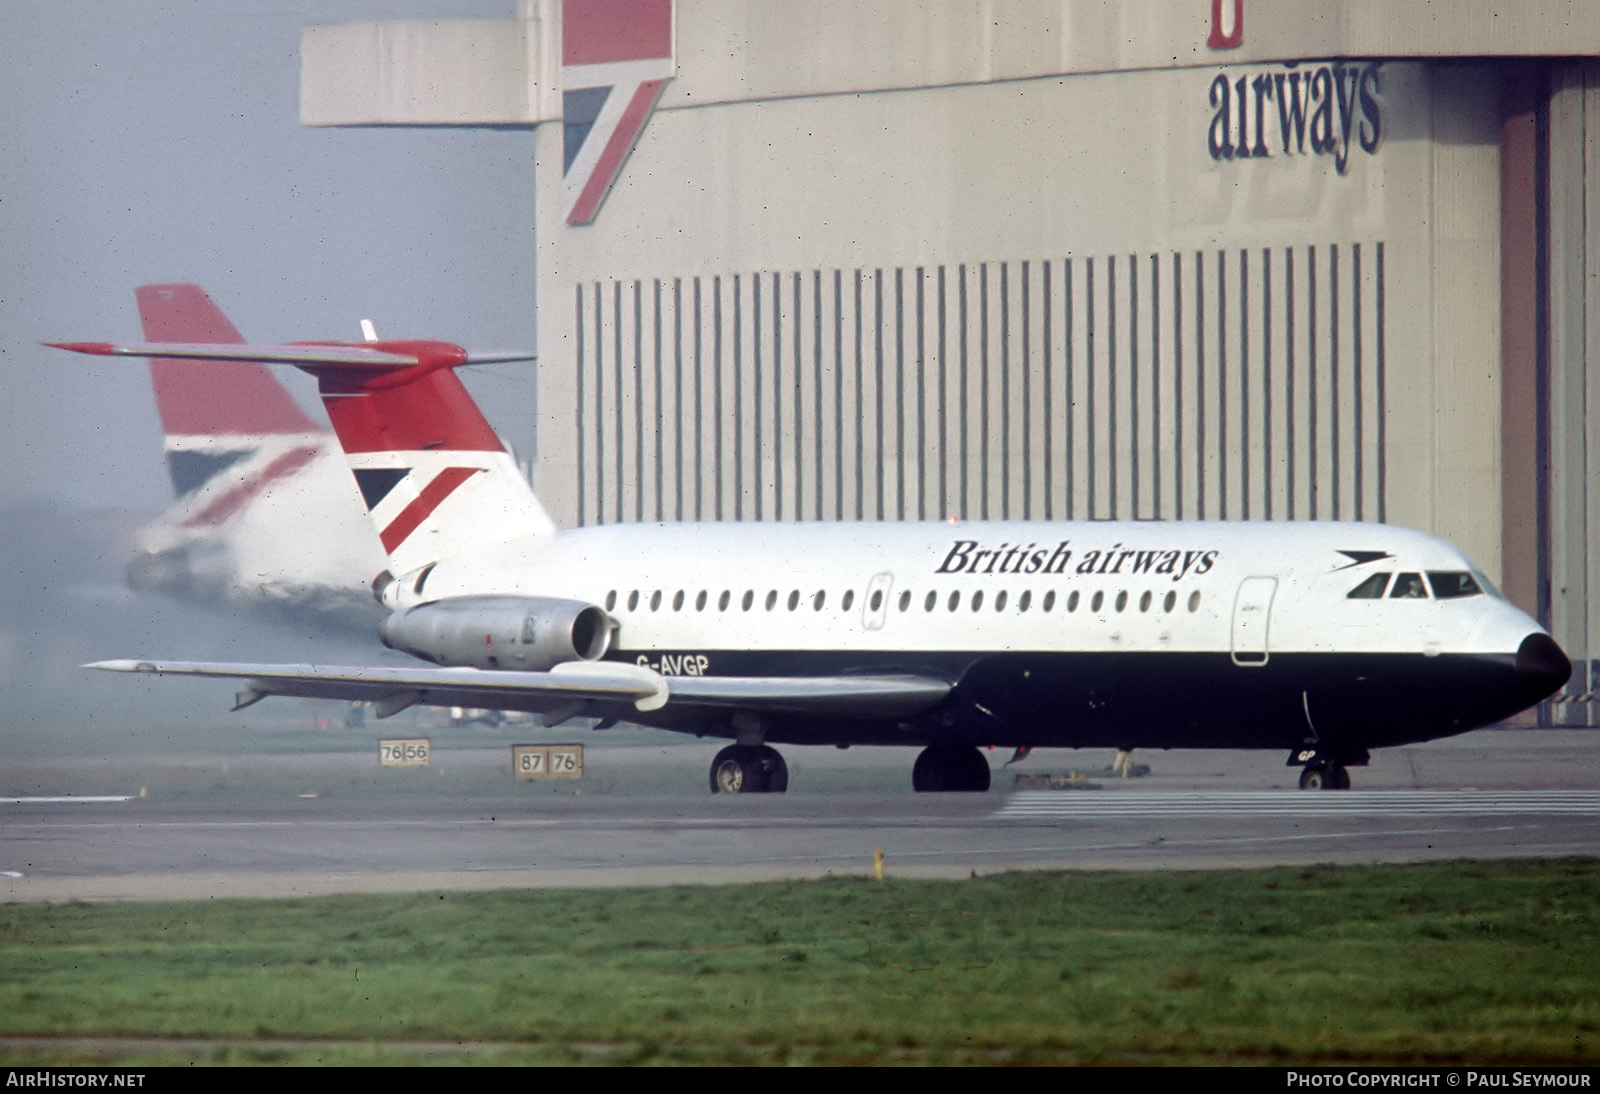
[955,600]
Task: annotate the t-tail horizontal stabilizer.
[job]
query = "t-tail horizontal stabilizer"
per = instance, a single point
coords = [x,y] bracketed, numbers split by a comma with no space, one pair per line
[378,356]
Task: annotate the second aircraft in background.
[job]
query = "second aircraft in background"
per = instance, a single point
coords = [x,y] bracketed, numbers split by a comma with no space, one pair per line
[267,518]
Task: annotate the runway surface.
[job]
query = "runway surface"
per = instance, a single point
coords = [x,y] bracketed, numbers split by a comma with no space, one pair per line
[1491,794]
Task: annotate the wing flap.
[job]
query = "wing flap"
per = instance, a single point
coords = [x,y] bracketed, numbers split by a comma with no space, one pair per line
[840,696]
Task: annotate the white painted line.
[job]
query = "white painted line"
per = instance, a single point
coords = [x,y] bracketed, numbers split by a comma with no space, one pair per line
[30,801]
[1304,803]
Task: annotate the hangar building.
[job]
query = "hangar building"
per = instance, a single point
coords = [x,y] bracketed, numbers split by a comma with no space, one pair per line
[1149,259]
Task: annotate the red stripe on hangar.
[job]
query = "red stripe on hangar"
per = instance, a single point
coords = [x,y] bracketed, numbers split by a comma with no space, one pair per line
[605,31]
[616,150]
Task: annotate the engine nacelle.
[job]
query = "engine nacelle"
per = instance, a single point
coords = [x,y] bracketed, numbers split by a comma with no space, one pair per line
[500,632]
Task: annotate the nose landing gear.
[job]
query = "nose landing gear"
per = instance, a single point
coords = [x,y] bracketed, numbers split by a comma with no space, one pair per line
[1324,777]
[1326,770]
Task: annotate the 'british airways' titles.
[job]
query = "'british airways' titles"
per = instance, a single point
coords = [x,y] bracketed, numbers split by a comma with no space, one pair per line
[968,556]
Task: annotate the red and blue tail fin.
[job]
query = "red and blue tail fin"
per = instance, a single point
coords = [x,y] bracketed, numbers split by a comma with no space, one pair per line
[436,478]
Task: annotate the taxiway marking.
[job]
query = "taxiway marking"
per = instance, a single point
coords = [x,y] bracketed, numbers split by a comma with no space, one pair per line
[1086,804]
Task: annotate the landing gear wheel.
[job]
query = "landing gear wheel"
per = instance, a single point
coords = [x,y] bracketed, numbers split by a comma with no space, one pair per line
[742,769]
[777,771]
[737,770]
[945,768]
[1325,777]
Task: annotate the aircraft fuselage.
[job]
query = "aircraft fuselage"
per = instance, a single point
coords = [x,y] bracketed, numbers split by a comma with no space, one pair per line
[1117,634]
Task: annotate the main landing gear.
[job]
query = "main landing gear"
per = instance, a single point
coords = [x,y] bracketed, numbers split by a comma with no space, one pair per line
[950,768]
[759,769]
[749,769]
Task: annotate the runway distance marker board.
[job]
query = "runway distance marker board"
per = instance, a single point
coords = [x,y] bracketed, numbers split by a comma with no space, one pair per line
[547,761]
[404,752]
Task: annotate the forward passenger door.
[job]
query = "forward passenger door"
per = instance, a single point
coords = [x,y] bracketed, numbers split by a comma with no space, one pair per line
[1252,614]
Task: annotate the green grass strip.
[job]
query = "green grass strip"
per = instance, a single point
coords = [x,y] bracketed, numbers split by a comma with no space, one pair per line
[1486,963]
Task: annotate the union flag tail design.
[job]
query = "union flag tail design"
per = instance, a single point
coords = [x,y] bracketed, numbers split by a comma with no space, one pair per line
[252,472]
[435,478]
[219,419]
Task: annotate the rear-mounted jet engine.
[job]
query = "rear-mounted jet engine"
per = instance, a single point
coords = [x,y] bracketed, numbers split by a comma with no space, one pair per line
[532,634]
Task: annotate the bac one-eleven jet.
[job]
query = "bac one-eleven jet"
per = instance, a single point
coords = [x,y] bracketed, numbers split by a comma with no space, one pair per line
[1322,640]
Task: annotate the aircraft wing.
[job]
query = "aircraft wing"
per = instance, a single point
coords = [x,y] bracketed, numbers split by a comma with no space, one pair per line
[612,683]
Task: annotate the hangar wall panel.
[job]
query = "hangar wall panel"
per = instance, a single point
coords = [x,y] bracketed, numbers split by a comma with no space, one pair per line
[428,72]
[1188,293]
[460,71]
[1210,384]
[1093,165]
[1447,429]
[1574,411]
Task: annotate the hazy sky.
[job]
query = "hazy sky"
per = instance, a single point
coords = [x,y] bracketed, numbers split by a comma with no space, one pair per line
[159,140]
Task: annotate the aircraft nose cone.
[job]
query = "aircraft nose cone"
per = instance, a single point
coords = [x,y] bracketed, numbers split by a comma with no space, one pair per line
[1542,667]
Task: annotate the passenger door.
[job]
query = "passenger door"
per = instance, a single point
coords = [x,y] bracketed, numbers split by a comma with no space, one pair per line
[1252,613]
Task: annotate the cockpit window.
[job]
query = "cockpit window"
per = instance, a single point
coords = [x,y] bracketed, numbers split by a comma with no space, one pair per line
[1449,584]
[1408,587]
[1370,589]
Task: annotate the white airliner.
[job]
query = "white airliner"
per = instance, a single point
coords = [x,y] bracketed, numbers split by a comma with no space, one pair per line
[1322,640]
[252,472]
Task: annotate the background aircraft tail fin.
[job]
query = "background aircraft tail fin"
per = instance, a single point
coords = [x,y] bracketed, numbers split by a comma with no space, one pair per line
[212,418]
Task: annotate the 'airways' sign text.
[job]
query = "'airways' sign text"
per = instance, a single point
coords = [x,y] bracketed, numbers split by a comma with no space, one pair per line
[1318,111]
